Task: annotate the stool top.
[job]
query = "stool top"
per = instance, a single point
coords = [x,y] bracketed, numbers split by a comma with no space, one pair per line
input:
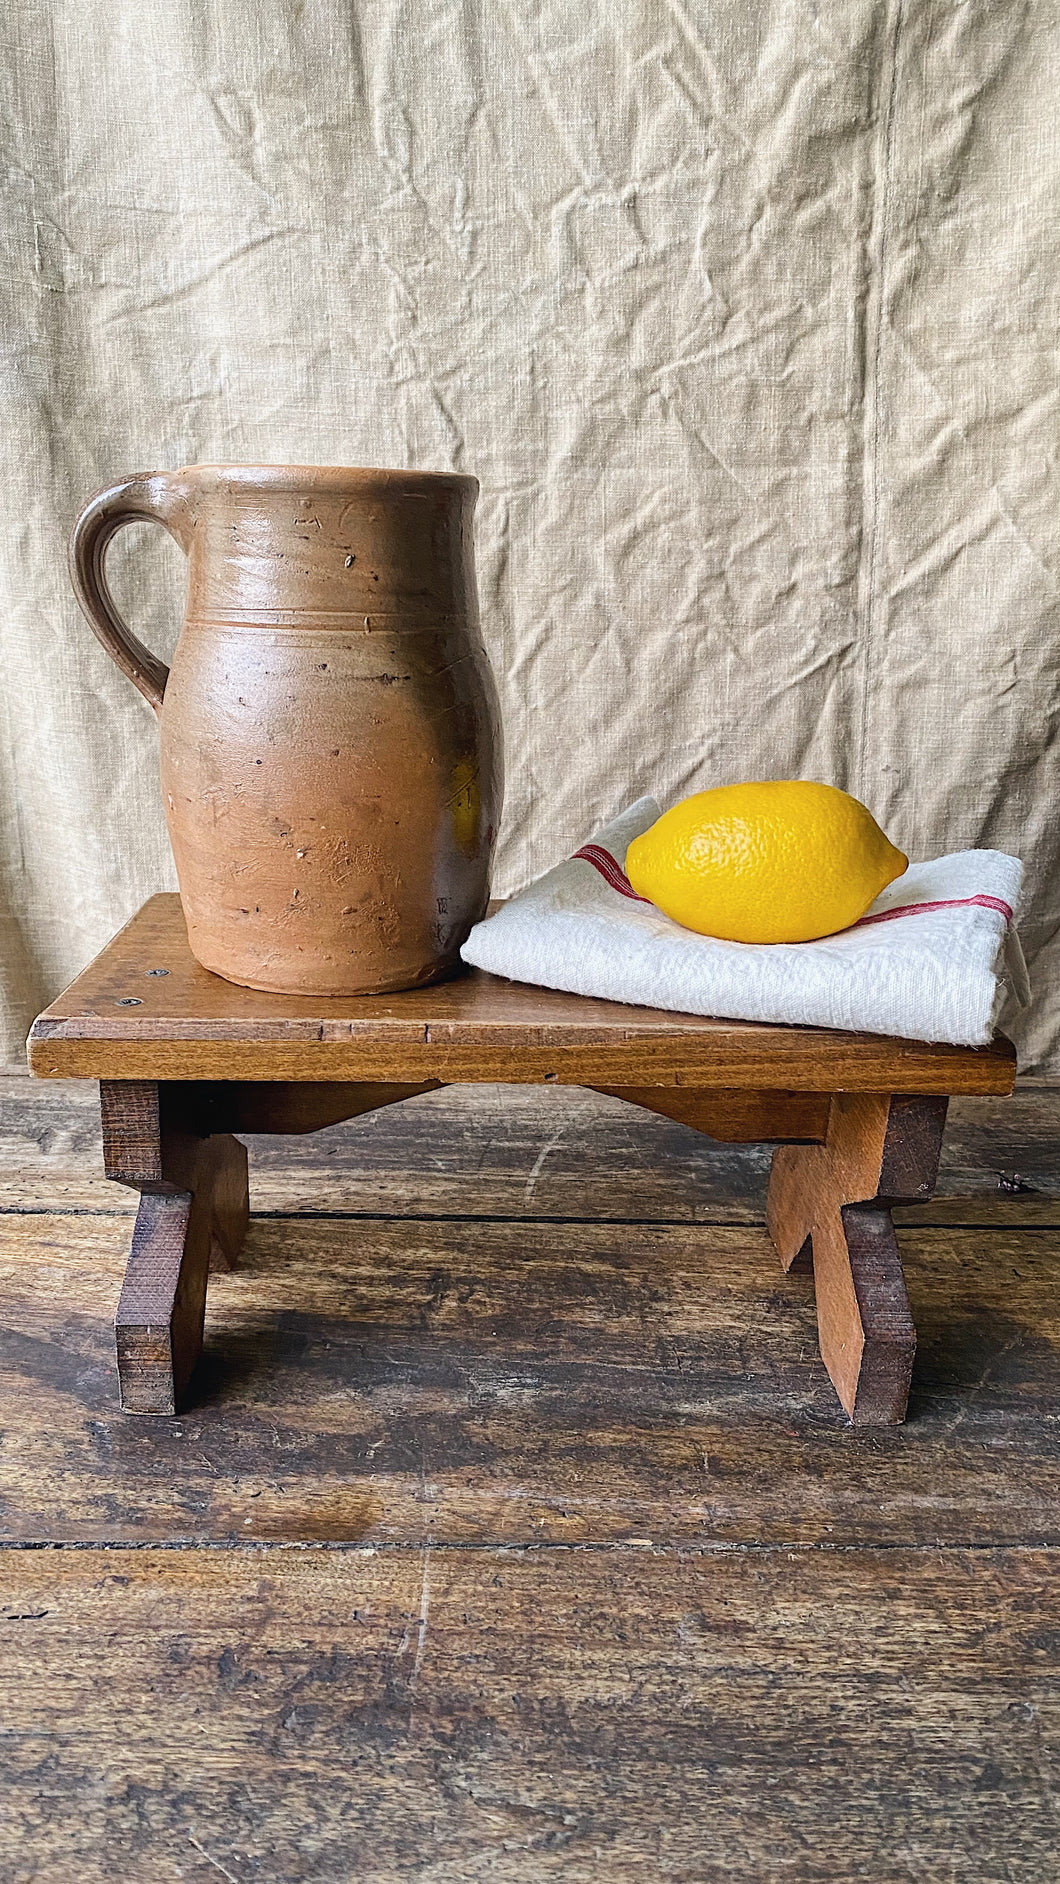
[144,1009]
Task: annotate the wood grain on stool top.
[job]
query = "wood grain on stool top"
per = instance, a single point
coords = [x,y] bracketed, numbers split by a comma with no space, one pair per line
[122,1019]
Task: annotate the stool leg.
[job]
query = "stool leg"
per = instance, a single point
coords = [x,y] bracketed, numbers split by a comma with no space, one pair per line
[194,1206]
[835,1200]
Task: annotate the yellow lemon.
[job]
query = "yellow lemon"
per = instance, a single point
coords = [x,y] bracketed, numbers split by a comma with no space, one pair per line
[784,861]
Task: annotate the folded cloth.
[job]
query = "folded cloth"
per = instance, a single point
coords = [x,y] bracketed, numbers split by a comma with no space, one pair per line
[927,962]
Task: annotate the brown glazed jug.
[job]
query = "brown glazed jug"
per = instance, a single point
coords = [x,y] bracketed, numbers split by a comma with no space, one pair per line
[330,734]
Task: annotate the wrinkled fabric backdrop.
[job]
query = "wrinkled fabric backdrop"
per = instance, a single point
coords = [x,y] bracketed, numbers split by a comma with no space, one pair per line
[744,313]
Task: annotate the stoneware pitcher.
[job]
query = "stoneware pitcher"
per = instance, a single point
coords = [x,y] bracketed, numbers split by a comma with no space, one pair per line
[330,734]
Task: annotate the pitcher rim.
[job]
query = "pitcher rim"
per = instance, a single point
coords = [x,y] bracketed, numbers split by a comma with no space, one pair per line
[379,475]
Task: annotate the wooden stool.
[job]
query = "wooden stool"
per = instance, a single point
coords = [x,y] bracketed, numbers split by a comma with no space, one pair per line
[185,1060]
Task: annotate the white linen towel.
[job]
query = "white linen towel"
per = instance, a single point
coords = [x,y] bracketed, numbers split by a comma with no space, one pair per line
[927,962]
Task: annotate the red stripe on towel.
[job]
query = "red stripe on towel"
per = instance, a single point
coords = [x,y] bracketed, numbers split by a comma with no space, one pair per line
[611,871]
[950,902]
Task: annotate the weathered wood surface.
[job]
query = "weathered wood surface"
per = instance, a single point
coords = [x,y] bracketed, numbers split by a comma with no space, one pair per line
[144,1009]
[528,1152]
[413,1717]
[591,1579]
[408,1383]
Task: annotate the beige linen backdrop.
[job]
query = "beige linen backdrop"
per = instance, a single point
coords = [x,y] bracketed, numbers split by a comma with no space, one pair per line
[745,313]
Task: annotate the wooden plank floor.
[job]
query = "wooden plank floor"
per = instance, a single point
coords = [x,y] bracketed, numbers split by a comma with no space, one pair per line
[516,1533]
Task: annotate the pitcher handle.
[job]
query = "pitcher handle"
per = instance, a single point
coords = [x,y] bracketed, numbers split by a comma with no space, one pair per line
[148,497]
